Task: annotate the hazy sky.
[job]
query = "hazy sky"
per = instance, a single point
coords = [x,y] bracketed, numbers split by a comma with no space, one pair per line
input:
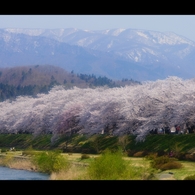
[180,24]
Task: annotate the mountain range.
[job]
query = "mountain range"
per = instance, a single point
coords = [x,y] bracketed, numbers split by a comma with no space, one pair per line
[116,53]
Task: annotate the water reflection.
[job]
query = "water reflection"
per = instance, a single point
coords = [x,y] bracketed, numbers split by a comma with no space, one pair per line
[14,174]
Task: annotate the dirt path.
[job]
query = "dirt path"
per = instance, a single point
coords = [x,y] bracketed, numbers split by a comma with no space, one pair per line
[166,176]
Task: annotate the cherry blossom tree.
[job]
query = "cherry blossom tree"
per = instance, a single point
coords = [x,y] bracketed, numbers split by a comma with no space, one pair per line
[135,109]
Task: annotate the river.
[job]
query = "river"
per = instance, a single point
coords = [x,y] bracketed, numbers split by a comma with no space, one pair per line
[15,174]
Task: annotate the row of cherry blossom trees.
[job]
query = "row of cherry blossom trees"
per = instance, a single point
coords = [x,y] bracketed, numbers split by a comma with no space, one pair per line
[135,109]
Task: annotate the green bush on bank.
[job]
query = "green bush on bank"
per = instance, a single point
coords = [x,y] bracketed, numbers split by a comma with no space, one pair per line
[165,163]
[84,156]
[109,166]
[50,161]
[29,151]
[8,158]
[190,177]
[3,150]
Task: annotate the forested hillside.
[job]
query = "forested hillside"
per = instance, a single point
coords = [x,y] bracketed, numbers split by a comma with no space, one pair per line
[31,80]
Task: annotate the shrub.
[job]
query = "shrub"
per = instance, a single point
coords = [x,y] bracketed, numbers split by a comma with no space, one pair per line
[140,154]
[160,160]
[151,156]
[191,177]
[3,150]
[161,153]
[84,156]
[86,151]
[8,158]
[165,163]
[171,165]
[50,161]
[190,157]
[109,166]
[130,153]
[181,156]
[29,151]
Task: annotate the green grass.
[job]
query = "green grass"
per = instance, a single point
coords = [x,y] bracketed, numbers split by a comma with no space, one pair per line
[22,141]
[50,161]
[138,167]
[79,143]
[187,170]
[109,166]
[164,142]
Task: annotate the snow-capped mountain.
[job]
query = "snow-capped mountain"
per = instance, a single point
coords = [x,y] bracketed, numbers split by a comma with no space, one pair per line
[116,53]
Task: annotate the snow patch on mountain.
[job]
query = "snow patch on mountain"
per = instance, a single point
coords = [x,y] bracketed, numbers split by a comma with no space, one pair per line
[36,44]
[118,31]
[31,32]
[110,44]
[85,41]
[142,34]
[169,38]
[183,53]
[135,55]
[7,38]
[112,32]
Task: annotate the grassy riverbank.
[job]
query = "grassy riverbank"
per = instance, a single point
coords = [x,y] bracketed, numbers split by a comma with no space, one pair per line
[82,150]
[98,143]
[79,166]
[138,167]
[16,160]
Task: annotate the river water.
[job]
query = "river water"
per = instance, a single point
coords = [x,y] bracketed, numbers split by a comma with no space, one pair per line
[15,174]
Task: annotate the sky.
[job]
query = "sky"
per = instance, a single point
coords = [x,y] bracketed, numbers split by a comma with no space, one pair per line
[183,25]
